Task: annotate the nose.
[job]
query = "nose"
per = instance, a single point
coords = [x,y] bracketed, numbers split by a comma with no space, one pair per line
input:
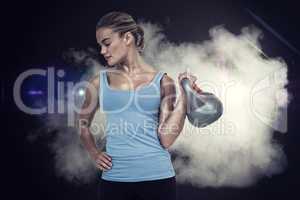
[103,50]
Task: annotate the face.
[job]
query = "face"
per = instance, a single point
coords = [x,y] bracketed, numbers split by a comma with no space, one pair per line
[113,47]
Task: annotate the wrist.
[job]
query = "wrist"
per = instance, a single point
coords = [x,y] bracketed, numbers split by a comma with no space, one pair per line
[182,98]
[94,153]
[182,104]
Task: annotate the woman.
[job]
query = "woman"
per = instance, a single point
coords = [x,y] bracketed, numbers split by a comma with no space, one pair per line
[142,121]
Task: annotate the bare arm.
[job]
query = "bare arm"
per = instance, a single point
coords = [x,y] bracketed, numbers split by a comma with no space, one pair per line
[87,112]
[172,117]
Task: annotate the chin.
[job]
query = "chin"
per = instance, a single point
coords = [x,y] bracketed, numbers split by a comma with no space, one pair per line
[112,63]
[109,63]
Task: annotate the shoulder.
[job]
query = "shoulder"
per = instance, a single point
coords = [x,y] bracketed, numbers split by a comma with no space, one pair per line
[166,80]
[167,85]
[95,81]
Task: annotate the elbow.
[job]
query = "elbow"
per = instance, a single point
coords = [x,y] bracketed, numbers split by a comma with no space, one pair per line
[83,127]
[83,133]
[166,145]
[166,140]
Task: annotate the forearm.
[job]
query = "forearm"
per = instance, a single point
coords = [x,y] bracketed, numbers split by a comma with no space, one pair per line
[88,141]
[87,112]
[174,123]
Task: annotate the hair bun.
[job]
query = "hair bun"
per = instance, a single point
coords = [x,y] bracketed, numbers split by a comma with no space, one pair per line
[122,22]
[140,39]
[140,30]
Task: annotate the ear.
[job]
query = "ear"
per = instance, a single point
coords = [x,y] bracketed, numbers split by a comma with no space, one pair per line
[128,38]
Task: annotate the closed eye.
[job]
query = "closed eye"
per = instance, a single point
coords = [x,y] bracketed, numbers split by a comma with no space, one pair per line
[100,46]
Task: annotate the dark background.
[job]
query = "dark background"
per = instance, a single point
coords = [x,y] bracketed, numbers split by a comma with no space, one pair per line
[36,33]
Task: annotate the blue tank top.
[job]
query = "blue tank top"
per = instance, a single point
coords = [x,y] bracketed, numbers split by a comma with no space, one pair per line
[132,119]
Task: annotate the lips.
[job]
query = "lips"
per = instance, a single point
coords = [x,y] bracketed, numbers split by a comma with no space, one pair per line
[107,57]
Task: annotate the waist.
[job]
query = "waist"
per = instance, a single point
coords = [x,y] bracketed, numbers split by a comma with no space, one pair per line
[150,166]
[133,140]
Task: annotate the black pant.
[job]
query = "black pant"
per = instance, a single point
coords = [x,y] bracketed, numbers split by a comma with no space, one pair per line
[163,189]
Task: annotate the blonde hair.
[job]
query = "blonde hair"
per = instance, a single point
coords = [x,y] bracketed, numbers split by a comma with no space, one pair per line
[121,23]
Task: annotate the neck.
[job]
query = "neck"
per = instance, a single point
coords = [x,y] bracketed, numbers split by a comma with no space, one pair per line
[133,63]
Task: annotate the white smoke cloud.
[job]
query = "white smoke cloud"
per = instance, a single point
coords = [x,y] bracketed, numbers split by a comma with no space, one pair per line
[238,149]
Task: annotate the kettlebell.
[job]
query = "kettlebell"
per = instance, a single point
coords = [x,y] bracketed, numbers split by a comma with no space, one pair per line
[202,108]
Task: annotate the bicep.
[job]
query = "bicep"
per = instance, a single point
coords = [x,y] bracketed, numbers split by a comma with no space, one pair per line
[168,98]
[91,101]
